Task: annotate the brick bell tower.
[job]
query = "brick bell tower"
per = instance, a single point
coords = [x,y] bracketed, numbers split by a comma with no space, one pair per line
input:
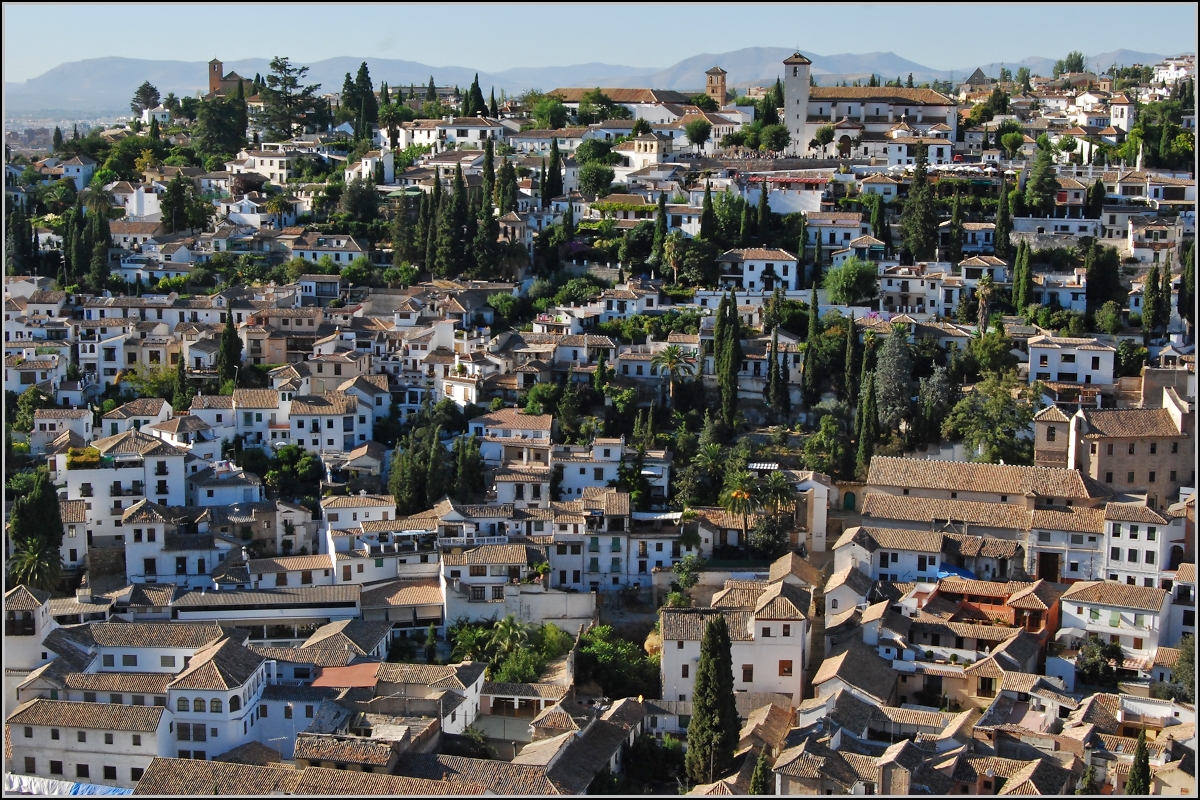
[714,87]
[215,73]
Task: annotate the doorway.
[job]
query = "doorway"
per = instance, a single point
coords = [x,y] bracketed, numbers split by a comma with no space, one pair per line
[1049,566]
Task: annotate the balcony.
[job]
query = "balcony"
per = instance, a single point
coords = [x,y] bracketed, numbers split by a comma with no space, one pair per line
[161,469]
[136,490]
[470,541]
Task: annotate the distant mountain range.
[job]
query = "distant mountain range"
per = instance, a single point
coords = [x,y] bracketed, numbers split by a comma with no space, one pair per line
[104,85]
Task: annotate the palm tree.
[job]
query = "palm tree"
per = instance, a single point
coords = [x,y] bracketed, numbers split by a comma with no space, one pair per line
[673,247]
[470,642]
[777,491]
[36,563]
[279,204]
[509,634]
[741,498]
[96,200]
[710,460]
[984,292]
[389,117]
[672,361]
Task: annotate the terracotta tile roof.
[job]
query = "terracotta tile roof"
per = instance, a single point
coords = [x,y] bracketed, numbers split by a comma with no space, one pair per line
[253,753]
[175,776]
[689,623]
[739,594]
[403,593]
[1117,595]
[514,419]
[494,554]
[142,407]
[1041,596]
[137,682]
[931,510]
[256,398]
[283,596]
[218,401]
[873,539]
[1186,573]
[358,501]
[548,691]
[342,749]
[223,665]
[986,546]
[181,635]
[1134,512]
[95,716]
[23,598]
[783,601]
[859,666]
[986,478]
[1051,414]
[884,716]
[756,254]
[1129,423]
[317,781]
[261,566]
[135,443]
[356,635]
[447,676]
[1040,777]
[317,656]
[970,768]
[498,777]
[1074,518]
[791,564]
[885,94]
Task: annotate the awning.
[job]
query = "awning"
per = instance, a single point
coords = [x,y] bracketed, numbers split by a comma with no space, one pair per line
[1077,633]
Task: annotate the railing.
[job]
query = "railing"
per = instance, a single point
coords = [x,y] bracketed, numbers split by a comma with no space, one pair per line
[161,469]
[470,541]
[136,490]
[21,627]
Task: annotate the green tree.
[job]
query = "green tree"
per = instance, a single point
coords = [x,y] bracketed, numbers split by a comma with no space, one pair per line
[550,113]
[825,451]
[868,430]
[919,220]
[29,402]
[229,352]
[1108,318]
[35,515]
[1087,782]
[822,138]
[714,727]
[287,107]
[698,131]
[893,382]
[660,229]
[1186,297]
[145,96]
[1003,245]
[671,362]
[554,179]
[1138,781]
[762,780]
[954,253]
[36,563]
[1042,186]
[992,418]
[594,179]
[1011,142]
[851,282]
[1152,302]
[1130,359]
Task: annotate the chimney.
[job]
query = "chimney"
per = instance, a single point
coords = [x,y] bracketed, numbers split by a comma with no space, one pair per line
[84,593]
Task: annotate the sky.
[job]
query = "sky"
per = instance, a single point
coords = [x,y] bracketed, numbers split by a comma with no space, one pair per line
[496,37]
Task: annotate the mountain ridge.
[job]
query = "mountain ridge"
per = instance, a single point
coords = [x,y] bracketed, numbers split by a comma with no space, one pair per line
[106,84]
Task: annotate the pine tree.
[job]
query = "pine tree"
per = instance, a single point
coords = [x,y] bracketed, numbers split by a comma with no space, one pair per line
[808,378]
[660,230]
[762,780]
[954,253]
[1003,246]
[708,218]
[714,728]
[764,216]
[1138,781]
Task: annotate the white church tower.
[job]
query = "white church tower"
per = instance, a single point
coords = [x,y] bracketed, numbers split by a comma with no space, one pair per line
[795,93]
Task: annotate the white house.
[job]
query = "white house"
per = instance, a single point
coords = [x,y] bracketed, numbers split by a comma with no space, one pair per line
[1138,542]
[51,423]
[1071,360]
[1133,616]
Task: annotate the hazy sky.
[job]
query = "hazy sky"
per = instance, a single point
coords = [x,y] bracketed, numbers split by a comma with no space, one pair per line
[499,36]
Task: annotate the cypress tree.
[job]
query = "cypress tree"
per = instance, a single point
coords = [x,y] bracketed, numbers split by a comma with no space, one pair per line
[58,139]
[98,271]
[809,380]
[366,96]
[384,97]
[714,728]
[229,354]
[1186,298]
[487,231]
[543,187]
[1003,244]
[818,267]
[764,216]
[1164,298]
[850,377]
[435,483]
[708,217]
[777,390]
[801,249]
[493,109]
[868,431]
[431,92]
[954,252]
[400,233]
[919,220]
[731,362]
[1138,781]
[1095,199]
[762,780]
[554,181]
[660,230]
[1150,304]
[422,229]
[746,231]
[489,170]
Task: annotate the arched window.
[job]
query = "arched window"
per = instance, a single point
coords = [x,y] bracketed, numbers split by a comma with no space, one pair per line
[235,703]
[216,706]
[182,704]
[198,704]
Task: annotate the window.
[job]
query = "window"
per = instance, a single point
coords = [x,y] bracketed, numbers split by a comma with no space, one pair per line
[308,712]
[199,705]
[166,661]
[787,630]
[56,768]
[1114,554]
[109,660]
[684,670]
[54,733]
[1050,433]
[135,773]
[82,771]
[1153,475]
[108,738]
[110,773]
[766,632]
[235,703]
[137,740]
[747,673]
[81,736]
[785,668]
